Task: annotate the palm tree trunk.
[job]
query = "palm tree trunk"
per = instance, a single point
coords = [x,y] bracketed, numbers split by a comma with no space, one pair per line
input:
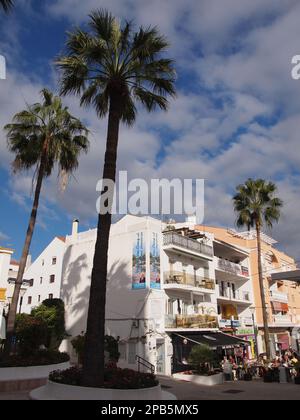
[93,363]
[262,293]
[10,330]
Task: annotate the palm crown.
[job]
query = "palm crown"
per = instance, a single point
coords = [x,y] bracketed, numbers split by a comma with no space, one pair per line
[46,131]
[256,204]
[111,59]
[6,4]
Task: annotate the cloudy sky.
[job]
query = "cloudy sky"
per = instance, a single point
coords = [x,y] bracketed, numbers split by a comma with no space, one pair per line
[237,113]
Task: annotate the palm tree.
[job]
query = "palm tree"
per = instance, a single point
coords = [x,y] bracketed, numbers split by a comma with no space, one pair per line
[6,4]
[43,135]
[112,68]
[256,205]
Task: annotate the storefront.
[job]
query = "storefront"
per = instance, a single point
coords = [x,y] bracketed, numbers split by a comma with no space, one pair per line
[223,344]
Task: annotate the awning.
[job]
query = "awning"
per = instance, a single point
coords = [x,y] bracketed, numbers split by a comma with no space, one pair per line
[213,339]
[287,276]
[281,307]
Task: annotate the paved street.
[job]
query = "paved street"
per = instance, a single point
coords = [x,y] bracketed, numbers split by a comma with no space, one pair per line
[255,390]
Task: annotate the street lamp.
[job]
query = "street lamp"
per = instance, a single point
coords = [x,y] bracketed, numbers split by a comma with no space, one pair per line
[252,309]
[22,293]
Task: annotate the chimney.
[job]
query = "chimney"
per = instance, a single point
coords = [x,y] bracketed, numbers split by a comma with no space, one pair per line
[75,225]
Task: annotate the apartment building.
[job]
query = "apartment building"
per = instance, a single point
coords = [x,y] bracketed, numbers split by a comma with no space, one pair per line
[5,259]
[282,297]
[162,295]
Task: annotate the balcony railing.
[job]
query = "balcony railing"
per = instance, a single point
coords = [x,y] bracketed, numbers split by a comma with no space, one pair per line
[279,297]
[191,321]
[237,295]
[232,268]
[282,320]
[185,279]
[172,238]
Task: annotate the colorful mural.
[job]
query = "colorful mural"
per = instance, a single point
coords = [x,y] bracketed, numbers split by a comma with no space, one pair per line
[139,263]
[155,281]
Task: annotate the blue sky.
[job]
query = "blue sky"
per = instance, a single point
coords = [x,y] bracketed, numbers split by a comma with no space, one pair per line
[236,115]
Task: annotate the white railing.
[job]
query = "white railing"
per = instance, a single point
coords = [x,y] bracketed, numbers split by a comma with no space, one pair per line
[232,268]
[241,296]
[279,297]
[282,320]
[172,238]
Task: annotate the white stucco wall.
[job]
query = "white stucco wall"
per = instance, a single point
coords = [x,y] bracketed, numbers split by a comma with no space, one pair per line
[43,268]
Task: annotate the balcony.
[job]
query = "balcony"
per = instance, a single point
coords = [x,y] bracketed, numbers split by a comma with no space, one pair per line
[282,320]
[184,244]
[188,280]
[237,296]
[232,268]
[191,321]
[279,297]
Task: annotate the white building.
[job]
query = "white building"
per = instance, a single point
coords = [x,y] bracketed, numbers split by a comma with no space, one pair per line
[161,287]
[44,275]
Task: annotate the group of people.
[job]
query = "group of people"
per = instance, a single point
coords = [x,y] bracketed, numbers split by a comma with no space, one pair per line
[241,368]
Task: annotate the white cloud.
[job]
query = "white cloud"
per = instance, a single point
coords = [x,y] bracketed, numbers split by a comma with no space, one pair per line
[235,57]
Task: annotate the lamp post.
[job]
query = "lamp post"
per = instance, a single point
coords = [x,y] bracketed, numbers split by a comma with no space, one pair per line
[22,293]
[252,309]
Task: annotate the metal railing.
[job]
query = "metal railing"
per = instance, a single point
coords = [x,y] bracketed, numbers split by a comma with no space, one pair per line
[232,268]
[186,279]
[171,238]
[145,363]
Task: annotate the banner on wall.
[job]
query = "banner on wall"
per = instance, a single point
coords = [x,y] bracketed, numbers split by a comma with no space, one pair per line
[139,262]
[155,282]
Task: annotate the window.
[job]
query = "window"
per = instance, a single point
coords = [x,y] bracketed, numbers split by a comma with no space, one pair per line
[54,259]
[31,281]
[29,300]
[39,298]
[43,262]
[41,280]
[52,278]
[50,296]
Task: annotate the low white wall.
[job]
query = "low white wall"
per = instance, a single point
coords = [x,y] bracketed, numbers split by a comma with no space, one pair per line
[201,380]
[31,372]
[55,391]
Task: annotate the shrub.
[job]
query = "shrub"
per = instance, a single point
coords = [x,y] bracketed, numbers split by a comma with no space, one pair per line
[39,358]
[113,378]
[31,333]
[202,358]
[110,346]
[52,313]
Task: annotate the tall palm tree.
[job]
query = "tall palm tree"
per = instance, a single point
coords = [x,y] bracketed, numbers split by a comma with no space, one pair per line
[256,205]
[42,136]
[6,4]
[112,68]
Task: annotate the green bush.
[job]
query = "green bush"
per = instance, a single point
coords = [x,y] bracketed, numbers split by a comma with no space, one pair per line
[38,358]
[113,378]
[110,346]
[202,358]
[52,313]
[31,333]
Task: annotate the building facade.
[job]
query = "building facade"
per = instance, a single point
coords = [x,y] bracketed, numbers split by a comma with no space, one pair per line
[282,297]
[167,283]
